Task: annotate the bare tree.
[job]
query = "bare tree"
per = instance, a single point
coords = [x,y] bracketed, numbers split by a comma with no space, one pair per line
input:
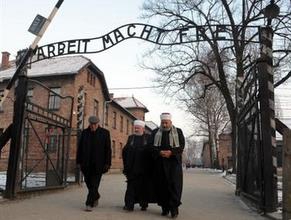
[192,151]
[210,112]
[175,65]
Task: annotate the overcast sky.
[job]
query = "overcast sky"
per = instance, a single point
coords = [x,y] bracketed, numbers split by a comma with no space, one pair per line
[78,19]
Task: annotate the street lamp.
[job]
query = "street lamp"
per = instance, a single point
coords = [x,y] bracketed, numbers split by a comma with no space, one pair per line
[271,11]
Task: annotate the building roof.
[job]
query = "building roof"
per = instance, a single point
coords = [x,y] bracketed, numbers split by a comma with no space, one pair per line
[130,102]
[151,125]
[122,108]
[59,66]
[51,67]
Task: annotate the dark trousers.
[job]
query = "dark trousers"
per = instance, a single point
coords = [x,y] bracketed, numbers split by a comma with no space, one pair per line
[135,193]
[92,180]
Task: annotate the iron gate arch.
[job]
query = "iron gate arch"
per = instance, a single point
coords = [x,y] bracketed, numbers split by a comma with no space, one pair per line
[248,116]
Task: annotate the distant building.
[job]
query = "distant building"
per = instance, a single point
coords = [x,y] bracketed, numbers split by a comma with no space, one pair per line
[225,151]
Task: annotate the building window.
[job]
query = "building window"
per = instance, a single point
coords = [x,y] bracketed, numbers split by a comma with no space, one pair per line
[113,149]
[88,76]
[29,95]
[52,139]
[91,79]
[54,99]
[1,106]
[127,126]
[121,123]
[96,108]
[114,120]
[106,114]
[120,150]
[94,81]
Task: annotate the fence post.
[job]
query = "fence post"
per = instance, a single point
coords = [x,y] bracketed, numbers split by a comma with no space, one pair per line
[16,137]
[266,96]
[286,174]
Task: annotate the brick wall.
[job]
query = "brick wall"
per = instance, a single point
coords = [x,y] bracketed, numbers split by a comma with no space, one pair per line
[225,153]
[138,113]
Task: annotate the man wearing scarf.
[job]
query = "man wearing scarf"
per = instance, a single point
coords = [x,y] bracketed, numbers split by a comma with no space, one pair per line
[134,155]
[167,144]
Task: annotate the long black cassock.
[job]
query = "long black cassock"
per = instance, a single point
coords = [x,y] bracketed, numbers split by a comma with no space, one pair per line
[168,173]
[138,164]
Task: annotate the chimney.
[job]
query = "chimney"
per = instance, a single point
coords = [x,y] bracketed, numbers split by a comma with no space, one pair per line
[5,60]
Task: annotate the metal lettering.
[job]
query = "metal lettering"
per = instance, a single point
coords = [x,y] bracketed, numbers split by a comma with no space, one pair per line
[106,39]
[51,50]
[85,44]
[128,30]
[159,35]
[220,29]
[61,48]
[71,44]
[40,54]
[182,33]
[118,35]
[145,31]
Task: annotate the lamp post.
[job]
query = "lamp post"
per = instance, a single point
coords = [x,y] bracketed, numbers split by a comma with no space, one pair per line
[271,11]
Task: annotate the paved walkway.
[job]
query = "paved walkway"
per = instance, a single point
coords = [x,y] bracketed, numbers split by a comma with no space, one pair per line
[206,196]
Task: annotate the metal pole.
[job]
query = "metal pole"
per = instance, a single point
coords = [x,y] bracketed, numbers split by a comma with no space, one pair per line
[286,175]
[16,137]
[266,96]
[30,51]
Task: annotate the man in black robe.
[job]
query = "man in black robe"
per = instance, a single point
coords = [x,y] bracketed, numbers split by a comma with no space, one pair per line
[167,145]
[94,158]
[135,163]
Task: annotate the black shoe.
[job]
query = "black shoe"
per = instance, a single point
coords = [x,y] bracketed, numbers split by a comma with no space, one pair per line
[127,208]
[174,213]
[165,212]
[95,203]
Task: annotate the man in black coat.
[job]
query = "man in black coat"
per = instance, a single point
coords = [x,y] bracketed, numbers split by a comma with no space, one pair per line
[94,158]
[136,166]
[167,145]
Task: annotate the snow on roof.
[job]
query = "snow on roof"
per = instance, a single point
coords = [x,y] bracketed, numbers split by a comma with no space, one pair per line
[50,67]
[130,102]
[151,125]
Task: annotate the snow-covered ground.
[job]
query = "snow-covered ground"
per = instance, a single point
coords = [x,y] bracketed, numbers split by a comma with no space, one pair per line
[31,181]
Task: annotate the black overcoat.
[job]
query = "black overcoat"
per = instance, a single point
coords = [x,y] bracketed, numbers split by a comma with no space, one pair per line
[138,165]
[168,173]
[94,150]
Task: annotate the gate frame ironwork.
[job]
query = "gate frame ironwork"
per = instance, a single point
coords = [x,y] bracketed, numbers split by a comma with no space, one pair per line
[263,99]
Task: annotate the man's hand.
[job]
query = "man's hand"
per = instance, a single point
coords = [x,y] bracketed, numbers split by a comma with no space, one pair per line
[165,153]
[78,167]
[106,168]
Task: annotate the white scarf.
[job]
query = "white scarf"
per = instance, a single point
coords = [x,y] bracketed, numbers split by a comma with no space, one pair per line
[173,137]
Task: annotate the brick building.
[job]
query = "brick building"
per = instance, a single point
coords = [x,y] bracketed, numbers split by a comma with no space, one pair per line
[225,151]
[65,76]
